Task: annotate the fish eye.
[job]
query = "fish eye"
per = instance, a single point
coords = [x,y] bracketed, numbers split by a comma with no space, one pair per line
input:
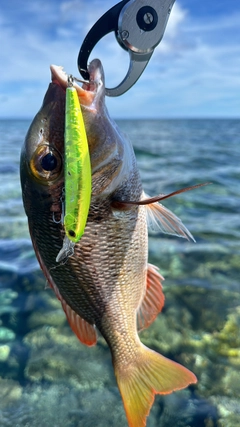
[46,163]
[49,162]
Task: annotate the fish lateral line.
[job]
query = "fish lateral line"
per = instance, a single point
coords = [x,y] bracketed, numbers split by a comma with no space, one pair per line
[117,204]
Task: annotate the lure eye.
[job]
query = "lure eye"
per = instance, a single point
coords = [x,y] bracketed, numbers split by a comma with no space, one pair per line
[46,163]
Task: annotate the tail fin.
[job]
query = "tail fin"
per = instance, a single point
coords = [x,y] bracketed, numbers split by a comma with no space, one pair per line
[149,374]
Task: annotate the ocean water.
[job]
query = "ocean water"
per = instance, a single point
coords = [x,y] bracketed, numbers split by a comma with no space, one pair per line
[47,378]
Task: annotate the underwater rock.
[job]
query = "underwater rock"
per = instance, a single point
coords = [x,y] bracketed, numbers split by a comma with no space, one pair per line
[7,296]
[6,334]
[10,392]
[13,358]
[36,405]
[61,405]
[231,382]
[16,415]
[217,357]
[229,337]
[57,355]
[229,410]
[102,408]
[46,317]
[186,409]
[171,333]
[4,353]
[161,337]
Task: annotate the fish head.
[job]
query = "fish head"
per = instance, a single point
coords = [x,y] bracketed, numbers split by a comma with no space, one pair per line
[42,155]
[43,150]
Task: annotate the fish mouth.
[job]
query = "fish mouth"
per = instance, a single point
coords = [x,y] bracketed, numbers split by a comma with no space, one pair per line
[90,90]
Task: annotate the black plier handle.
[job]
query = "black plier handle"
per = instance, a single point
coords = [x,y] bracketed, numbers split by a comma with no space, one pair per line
[139,26]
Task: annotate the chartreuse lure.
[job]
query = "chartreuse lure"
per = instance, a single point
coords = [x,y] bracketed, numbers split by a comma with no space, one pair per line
[77,168]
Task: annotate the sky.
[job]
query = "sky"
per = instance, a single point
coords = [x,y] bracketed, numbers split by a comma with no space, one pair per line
[193,73]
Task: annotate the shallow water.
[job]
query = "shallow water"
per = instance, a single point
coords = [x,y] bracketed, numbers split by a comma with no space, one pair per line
[47,378]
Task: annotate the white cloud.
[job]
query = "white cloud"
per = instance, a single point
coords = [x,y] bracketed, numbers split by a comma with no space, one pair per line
[177,17]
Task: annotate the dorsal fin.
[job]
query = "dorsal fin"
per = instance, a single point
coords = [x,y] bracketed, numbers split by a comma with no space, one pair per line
[153,300]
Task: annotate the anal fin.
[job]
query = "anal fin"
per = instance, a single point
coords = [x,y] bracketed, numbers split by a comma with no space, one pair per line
[85,332]
[153,300]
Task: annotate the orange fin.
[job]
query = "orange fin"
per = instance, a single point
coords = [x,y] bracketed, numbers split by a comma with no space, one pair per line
[153,300]
[85,332]
[149,374]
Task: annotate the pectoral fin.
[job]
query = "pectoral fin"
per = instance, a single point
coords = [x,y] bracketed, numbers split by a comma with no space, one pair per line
[162,219]
[159,217]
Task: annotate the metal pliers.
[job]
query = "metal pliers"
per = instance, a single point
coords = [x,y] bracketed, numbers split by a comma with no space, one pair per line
[139,26]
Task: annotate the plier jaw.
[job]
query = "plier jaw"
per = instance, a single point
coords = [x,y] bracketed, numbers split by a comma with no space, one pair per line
[139,26]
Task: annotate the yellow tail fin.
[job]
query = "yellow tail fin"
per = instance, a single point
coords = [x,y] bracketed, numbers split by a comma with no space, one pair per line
[149,374]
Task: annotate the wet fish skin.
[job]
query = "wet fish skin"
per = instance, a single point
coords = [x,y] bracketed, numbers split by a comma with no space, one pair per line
[107,284]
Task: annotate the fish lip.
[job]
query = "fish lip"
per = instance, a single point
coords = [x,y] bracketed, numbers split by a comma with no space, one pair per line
[86,93]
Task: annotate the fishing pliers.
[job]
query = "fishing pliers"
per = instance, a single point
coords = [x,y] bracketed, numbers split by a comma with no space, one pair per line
[139,26]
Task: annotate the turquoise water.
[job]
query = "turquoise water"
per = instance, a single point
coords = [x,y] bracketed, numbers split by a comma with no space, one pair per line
[47,378]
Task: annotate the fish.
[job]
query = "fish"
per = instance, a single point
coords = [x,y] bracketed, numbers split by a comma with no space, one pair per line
[106,285]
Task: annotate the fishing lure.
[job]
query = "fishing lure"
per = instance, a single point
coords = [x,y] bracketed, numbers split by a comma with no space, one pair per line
[77,168]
